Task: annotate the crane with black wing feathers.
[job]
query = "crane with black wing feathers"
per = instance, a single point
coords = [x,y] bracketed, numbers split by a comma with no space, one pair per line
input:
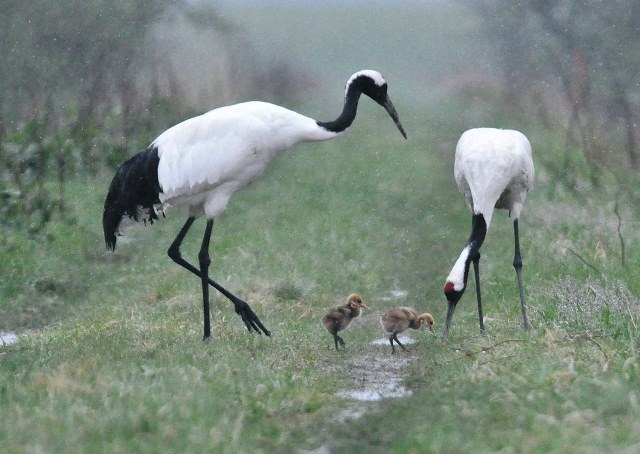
[202,161]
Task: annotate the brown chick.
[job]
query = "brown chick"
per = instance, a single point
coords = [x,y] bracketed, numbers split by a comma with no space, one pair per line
[338,318]
[400,319]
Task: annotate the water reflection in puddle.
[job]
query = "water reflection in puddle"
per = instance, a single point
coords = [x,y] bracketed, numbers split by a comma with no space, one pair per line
[379,375]
[8,338]
[378,391]
[385,341]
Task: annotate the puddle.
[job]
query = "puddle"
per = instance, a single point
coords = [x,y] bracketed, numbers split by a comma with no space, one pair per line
[385,341]
[378,391]
[8,338]
[377,376]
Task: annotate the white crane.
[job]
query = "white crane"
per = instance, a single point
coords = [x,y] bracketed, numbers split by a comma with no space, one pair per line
[202,161]
[494,169]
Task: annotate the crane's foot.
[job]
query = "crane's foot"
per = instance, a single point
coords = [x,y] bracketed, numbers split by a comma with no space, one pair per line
[249,317]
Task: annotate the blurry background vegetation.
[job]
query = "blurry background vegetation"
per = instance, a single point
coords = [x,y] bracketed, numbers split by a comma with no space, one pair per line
[84,83]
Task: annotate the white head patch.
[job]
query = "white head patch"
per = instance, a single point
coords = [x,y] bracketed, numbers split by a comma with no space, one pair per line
[456,276]
[371,74]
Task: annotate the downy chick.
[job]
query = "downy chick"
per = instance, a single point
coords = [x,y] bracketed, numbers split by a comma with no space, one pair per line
[400,319]
[338,318]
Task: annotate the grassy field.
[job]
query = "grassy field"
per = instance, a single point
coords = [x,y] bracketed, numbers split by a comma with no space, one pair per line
[112,358]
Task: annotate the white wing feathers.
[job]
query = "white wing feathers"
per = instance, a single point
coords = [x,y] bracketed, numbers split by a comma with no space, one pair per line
[207,158]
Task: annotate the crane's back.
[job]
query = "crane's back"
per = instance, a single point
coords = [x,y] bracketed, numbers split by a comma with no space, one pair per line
[205,159]
[494,168]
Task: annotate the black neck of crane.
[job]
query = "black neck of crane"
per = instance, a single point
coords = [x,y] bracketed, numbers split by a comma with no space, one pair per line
[348,113]
[476,238]
[478,230]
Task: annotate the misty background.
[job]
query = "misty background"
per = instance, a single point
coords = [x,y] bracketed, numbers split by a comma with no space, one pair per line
[86,84]
[105,347]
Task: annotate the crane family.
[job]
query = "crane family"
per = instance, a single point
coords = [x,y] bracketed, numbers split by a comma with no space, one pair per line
[202,161]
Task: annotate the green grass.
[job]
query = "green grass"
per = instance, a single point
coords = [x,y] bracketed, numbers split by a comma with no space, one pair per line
[113,359]
[116,362]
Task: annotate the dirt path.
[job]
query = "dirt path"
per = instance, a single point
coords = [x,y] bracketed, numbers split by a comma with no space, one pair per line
[369,376]
[374,373]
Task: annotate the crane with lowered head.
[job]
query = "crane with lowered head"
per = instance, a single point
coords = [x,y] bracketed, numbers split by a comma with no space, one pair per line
[493,169]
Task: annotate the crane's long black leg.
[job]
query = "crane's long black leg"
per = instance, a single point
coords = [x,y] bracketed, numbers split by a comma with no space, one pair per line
[517,264]
[174,249]
[476,271]
[249,318]
[205,260]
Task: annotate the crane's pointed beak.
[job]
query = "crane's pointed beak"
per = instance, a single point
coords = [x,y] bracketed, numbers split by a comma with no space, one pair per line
[450,309]
[388,105]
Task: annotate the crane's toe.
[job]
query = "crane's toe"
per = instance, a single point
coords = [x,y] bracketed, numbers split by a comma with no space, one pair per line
[249,317]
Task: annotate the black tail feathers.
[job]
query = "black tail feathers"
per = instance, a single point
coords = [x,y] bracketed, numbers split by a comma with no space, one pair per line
[134,186]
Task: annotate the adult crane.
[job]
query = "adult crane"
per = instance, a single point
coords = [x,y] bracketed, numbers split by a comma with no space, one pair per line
[493,169]
[202,161]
